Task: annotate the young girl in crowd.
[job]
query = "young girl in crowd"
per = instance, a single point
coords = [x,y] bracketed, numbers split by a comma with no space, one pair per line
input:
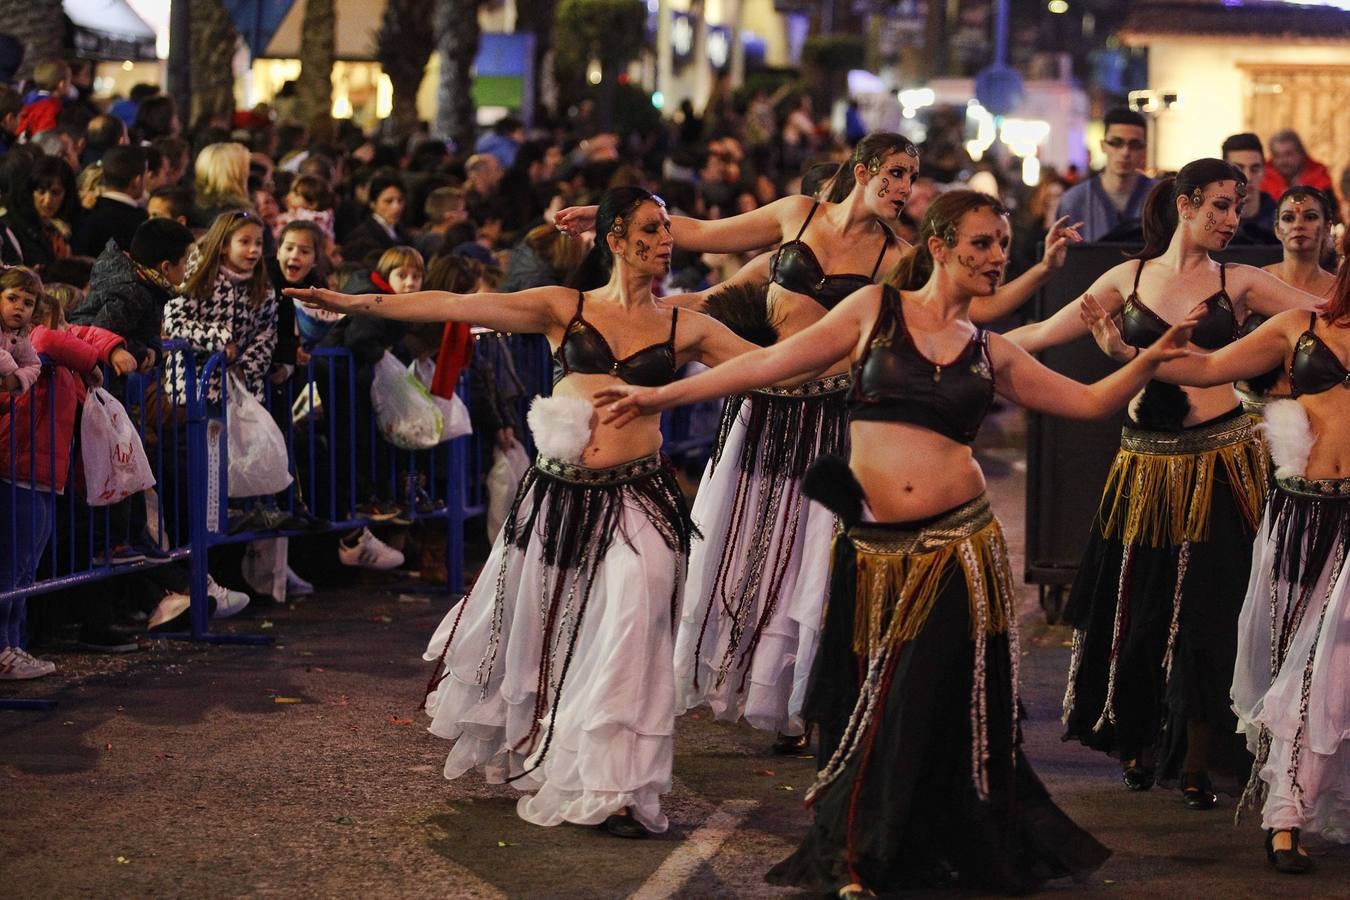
[301,261]
[308,200]
[40,427]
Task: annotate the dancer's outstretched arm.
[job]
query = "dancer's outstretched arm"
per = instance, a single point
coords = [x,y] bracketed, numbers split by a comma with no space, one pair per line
[1266,294]
[762,227]
[531,311]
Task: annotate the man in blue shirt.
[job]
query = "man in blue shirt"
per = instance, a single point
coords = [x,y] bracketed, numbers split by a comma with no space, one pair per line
[1113,200]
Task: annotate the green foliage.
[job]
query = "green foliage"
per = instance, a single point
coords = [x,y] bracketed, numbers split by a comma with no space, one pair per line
[835,52]
[612,31]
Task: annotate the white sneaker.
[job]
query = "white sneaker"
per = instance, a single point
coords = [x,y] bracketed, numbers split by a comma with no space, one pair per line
[369,553]
[45,666]
[228,602]
[297,586]
[14,667]
[171,606]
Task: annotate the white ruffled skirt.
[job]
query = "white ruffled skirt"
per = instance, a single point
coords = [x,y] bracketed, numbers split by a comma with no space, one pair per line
[558,676]
[1291,687]
[754,600]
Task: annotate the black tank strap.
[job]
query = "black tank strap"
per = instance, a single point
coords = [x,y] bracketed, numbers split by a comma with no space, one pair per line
[581,298]
[1223,284]
[885,245]
[674,317]
[801,231]
[1137,272]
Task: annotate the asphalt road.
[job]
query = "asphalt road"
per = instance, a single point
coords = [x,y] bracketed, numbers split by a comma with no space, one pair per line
[304,770]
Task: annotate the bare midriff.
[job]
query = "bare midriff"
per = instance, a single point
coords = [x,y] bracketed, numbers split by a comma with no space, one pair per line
[909,473]
[1328,413]
[610,446]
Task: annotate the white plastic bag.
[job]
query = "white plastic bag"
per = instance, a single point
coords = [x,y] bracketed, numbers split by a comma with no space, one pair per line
[404,412]
[257,448]
[115,465]
[508,467]
[454,414]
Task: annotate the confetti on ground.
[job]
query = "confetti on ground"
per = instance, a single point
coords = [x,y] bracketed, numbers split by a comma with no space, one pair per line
[122,860]
[345,820]
[287,700]
[395,720]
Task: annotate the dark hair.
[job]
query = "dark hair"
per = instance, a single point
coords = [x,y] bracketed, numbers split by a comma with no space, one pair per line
[941,220]
[382,181]
[102,133]
[453,273]
[870,152]
[11,101]
[178,198]
[1122,116]
[1160,209]
[154,117]
[1245,141]
[507,124]
[122,166]
[616,206]
[172,148]
[74,270]
[46,170]
[1336,311]
[159,240]
[1288,136]
[815,177]
[142,91]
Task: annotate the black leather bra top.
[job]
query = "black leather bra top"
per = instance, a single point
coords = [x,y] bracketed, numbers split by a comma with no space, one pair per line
[1141,326]
[796,268]
[894,382]
[585,351]
[1315,367]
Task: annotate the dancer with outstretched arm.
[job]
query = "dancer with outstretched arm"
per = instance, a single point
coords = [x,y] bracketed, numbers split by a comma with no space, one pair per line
[921,776]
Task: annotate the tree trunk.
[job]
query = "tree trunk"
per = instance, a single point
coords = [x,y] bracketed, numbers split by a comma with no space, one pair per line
[214,40]
[457,36]
[38,26]
[403,46]
[536,16]
[318,45]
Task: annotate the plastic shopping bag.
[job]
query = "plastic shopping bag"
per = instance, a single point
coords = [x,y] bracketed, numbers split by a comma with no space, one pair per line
[257,448]
[454,413]
[404,411]
[508,467]
[115,465]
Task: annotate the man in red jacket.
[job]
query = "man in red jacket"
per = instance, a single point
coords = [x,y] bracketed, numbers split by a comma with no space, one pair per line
[43,105]
[1290,165]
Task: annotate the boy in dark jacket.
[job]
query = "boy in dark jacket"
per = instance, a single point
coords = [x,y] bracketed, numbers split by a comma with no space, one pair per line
[128,291]
[117,213]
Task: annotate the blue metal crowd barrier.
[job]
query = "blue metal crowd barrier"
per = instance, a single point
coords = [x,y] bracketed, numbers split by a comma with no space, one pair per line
[183,427]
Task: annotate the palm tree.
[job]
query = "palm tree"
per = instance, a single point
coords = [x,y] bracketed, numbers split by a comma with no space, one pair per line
[213,41]
[537,17]
[457,34]
[38,25]
[403,46]
[318,46]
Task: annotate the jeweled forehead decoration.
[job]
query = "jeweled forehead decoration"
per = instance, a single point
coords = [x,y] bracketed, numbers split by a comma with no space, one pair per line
[620,226]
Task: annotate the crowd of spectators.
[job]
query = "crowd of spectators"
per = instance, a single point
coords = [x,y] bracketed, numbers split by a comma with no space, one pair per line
[150,232]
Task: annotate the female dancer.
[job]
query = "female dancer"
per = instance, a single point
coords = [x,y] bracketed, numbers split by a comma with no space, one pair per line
[757,583]
[915,685]
[1156,599]
[1302,223]
[1293,657]
[556,669]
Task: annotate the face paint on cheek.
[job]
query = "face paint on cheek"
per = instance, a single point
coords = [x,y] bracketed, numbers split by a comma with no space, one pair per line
[1209,220]
[643,251]
[969,264]
[884,190]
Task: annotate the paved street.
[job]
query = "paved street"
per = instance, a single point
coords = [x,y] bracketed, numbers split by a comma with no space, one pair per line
[304,770]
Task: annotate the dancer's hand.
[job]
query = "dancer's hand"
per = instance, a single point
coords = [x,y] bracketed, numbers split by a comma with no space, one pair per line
[575,219]
[322,298]
[622,403]
[1057,242]
[1174,344]
[1105,330]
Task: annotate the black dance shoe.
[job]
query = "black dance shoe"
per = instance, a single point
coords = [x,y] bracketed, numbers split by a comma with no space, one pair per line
[1288,862]
[1196,791]
[792,744]
[624,825]
[1136,777]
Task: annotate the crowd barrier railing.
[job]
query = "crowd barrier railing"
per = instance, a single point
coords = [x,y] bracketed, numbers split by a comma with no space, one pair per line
[334,455]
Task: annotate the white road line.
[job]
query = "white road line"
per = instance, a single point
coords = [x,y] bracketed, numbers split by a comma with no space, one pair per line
[696,850]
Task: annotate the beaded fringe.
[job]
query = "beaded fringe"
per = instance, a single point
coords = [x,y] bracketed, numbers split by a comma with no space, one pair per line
[1162,498]
[899,579]
[786,432]
[1312,536]
[578,513]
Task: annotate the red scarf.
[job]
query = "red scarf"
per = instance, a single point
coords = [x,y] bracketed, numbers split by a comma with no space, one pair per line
[455,353]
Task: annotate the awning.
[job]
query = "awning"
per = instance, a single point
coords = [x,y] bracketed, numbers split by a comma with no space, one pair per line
[108,29]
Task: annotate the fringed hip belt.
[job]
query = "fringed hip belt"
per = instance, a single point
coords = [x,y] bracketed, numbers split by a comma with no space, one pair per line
[901,570]
[788,428]
[606,477]
[1161,483]
[1310,525]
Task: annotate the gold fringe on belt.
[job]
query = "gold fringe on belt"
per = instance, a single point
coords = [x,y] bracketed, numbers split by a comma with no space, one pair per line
[900,576]
[1161,483]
